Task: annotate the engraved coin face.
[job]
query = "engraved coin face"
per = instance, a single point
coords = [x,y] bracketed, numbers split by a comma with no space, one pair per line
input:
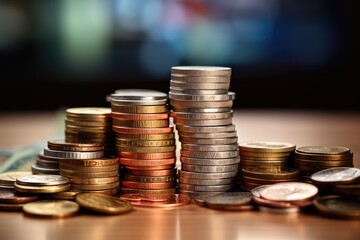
[229,200]
[51,208]
[289,191]
[324,149]
[336,175]
[266,146]
[89,110]
[42,180]
[103,203]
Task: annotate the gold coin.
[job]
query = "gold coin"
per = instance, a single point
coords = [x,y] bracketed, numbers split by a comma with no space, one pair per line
[343,163]
[147,149]
[9,178]
[61,145]
[141,123]
[88,169]
[148,191]
[67,195]
[145,143]
[117,108]
[51,208]
[111,192]
[326,150]
[94,187]
[104,180]
[323,157]
[103,203]
[286,173]
[83,123]
[264,154]
[80,129]
[266,147]
[145,137]
[91,162]
[41,189]
[86,111]
[338,206]
[71,174]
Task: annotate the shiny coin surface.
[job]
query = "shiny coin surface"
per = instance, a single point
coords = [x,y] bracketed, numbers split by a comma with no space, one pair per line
[42,180]
[138,94]
[51,208]
[323,149]
[266,146]
[11,196]
[336,175]
[41,189]
[165,201]
[103,203]
[210,71]
[61,145]
[9,178]
[230,201]
[89,111]
[338,206]
[289,191]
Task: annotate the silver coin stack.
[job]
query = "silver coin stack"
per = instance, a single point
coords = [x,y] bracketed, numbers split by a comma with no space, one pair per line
[201,107]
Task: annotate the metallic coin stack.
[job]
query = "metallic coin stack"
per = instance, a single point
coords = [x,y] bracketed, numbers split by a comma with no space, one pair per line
[145,141]
[310,159]
[45,183]
[265,162]
[85,165]
[201,108]
[90,125]
[45,164]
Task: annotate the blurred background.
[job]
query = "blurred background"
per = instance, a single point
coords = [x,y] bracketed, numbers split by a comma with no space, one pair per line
[283,54]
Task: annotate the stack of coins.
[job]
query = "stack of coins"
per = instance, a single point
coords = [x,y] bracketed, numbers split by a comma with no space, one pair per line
[267,158]
[90,125]
[310,159]
[201,108]
[45,183]
[45,165]
[85,165]
[145,141]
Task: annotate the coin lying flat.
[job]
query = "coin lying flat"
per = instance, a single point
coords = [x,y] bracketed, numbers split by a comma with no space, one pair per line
[323,150]
[42,180]
[266,146]
[11,196]
[336,175]
[103,203]
[51,208]
[338,206]
[230,201]
[9,178]
[289,191]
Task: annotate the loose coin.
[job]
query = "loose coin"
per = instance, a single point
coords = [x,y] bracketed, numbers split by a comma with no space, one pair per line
[42,180]
[51,208]
[230,201]
[169,200]
[336,175]
[9,178]
[41,189]
[11,196]
[103,203]
[338,206]
[289,191]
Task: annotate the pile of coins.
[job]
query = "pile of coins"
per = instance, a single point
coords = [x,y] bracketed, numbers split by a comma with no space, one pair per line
[201,108]
[343,191]
[145,141]
[85,165]
[265,162]
[310,159]
[90,125]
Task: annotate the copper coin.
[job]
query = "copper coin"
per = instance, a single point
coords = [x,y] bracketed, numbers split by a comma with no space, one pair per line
[137,178]
[91,162]
[160,167]
[130,130]
[147,162]
[155,173]
[134,155]
[11,196]
[139,116]
[172,200]
[61,145]
[136,197]
[144,185]
[124,190]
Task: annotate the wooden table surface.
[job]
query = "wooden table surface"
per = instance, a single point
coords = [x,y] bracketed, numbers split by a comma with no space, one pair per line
[192,221]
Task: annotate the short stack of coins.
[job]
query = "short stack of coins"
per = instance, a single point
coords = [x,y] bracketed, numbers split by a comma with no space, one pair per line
[45,164]
[266,162]
[310,159]
[201,108]
[85,166]
[90,125]
[145,141]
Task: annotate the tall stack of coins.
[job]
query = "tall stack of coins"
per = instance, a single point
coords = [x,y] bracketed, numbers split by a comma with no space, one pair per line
[310,159]
[85,165]
[201,108]
[145,141]
[265,162]
[90,125]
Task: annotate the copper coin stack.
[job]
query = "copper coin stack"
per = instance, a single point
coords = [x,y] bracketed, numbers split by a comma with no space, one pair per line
[265,162]
[201,108]
[145,141]
[85,166]
[90,125]
[310,159]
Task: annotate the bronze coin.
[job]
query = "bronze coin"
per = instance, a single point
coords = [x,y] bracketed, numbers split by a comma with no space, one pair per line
[11,196]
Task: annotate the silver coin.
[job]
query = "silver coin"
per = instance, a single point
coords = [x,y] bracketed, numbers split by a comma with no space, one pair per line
[194,181]
[209,169]
[198,195]
[201,79]
[203,123]
[198,91]
[200,71]
[326,150]
[42,180]
[207,141]
[139,94]
[195,175]
[266,147]
[192,97]
[73,155]
[209,154]
[336,175]
[180,105]
[229,199]
[212,129]
[256,191]
[209,161]
[289,191]
[37,169]
[206,188]
[208,135]
[210,86]
[201,116]
[137,102]
[209,148]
